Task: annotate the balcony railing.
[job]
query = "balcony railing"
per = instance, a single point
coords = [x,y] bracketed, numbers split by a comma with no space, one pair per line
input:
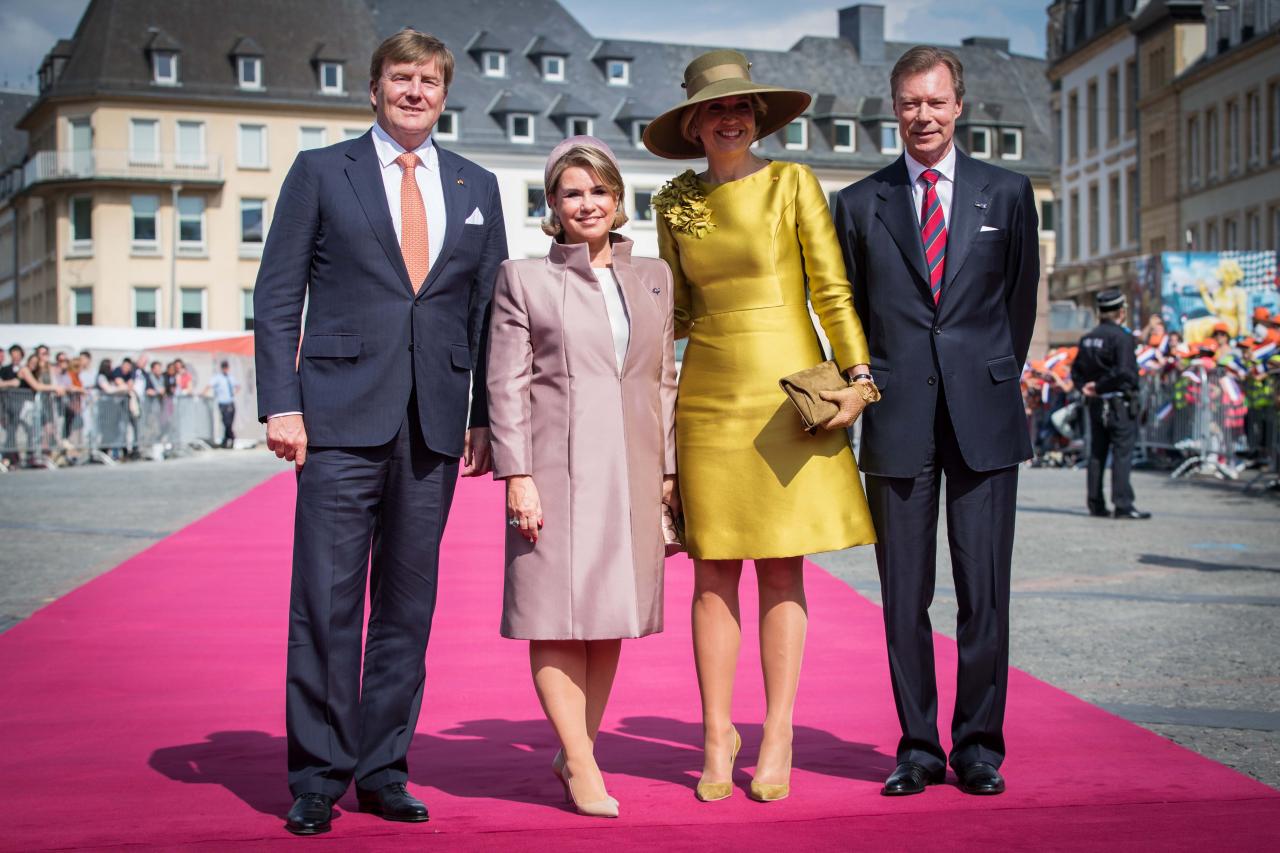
[106,165]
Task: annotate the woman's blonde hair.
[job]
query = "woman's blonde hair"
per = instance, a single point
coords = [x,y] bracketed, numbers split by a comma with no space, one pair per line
[689,119]
[594,160]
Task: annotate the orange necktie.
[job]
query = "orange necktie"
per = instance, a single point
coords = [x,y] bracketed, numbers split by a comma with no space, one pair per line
[413,223]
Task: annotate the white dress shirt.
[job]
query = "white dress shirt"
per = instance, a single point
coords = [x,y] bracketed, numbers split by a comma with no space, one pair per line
[946,170]
[617,311]
[429,185]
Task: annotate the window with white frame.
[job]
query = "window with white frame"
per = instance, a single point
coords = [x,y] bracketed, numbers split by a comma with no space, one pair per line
[535,202]
[1047,214]
[164,68]
[844,135]
[312,137]
[553,69]
[520,128]
[637,133]
[1233,137]
[890,142]
[251,146]
[82,306]
[980,142]
[249,71]
[796,135]
[191,223]
[350,133]
[80,217]
[246,309]
[193,307]
[146,229]
[144,141]
[643,205]
[494,63]
[1252,231]
[447,125]
[1011,143]
[578,126]
[1194,154]
[618,72]
[331,78]
[1253,108]
[253,223]
[146,307]
[1212,155]
[189,147]
[1230,235]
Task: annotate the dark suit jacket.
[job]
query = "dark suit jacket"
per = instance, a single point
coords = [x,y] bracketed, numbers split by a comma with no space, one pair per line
[369,342]
[974,344]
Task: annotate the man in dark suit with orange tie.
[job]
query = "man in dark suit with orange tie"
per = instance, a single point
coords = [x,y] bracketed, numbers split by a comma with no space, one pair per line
[392,243]
[942,253]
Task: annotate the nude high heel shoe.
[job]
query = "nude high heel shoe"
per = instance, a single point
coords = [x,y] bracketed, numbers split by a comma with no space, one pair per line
[608,807]
[709,792]
[766,793]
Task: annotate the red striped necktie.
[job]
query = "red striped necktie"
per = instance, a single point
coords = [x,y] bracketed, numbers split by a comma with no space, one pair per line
[933,231]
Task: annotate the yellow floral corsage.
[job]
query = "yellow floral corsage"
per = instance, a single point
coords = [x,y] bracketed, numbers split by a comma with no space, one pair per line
[682,203]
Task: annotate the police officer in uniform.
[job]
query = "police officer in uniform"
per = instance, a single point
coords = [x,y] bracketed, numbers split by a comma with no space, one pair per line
[1106,370]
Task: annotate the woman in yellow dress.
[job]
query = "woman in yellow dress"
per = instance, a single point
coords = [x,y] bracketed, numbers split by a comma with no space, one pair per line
[742,239]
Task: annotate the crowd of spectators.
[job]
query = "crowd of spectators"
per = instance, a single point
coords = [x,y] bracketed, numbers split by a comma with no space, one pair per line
[62,385]
[1244,367]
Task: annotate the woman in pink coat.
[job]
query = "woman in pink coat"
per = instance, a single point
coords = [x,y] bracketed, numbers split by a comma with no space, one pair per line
[582,388]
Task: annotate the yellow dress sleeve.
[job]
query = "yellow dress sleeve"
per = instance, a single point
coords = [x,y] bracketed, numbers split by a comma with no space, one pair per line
[829,289]
[669,251]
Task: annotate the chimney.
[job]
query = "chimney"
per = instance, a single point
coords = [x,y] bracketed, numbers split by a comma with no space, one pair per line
[863,27]
[986,41]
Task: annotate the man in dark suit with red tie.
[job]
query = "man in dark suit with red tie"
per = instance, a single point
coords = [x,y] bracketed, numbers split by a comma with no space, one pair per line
[392,244]
[942,253]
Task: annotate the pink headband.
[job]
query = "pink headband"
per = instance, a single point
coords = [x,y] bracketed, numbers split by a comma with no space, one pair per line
[572,141]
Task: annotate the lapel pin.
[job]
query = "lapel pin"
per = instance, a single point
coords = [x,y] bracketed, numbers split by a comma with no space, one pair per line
[981,204]
[463,183]
[656,290]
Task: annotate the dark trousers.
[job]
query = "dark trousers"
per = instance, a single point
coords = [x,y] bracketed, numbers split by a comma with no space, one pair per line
[228,412]
[375,513]
[1117,436]
[980,515]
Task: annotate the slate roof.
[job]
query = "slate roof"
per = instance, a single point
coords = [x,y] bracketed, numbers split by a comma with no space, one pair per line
[13,142]
[109,54]
[109,57]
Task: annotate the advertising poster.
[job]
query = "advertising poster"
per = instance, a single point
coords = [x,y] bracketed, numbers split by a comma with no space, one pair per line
[1199,290]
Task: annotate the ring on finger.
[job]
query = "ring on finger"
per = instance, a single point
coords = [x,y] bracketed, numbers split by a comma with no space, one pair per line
[515,522]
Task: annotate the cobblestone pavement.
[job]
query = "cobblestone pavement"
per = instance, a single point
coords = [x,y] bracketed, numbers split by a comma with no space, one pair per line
[1172,623]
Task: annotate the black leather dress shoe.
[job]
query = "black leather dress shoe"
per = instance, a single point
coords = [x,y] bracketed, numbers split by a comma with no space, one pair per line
[310,814]
[980,778]
[910,778]
[1132,514]
[393,802]
[1100,513]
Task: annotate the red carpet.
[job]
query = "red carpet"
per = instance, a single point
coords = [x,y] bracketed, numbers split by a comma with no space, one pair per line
[145,709]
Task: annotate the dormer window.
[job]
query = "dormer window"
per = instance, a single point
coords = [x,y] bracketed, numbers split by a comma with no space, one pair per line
[249,70]
[980,143]
[618,72]
[494,63]
[890,142]
[164,67]
[579,126]
[1011,144]
[553,69]
[520,128]
[331,78]
[447,125]
[796,135]
[843,136]
[637,133]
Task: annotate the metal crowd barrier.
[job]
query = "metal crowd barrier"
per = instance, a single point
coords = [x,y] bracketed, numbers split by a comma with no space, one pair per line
[45,429]
[1199,421]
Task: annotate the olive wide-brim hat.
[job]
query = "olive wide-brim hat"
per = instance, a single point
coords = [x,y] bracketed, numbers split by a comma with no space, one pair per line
[721,74]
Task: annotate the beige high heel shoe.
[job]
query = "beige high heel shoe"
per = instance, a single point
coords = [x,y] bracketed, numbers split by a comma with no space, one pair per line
[765,793]
[608,807]
[709,792]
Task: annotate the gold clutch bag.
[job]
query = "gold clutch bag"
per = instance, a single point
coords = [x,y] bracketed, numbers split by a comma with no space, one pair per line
[803,390]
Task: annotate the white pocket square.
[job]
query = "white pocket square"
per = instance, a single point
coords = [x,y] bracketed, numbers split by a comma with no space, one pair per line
[476,218]
[988,228]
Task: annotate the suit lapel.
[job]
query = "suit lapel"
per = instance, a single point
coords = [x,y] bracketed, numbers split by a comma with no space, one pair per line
[969,203]
[458,206]
[365,174]
[897,212]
